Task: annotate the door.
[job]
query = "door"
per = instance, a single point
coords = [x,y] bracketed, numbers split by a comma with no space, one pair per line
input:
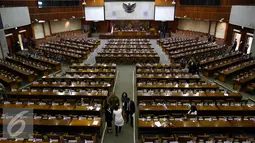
[9,42]
[237,36]
[249,42]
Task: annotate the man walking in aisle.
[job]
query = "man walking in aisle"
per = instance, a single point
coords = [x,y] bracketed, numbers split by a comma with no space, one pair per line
[113,101]
[129,107]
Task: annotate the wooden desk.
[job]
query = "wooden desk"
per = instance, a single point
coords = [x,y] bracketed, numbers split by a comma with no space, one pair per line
[129,33]
[90,71]
[57,109]
[43,71]
[173,77]
[219,59]
[106,86]
[160,71]
[30,76]
[175,58]
[11,83]
[239,83]
[209,71]
[189,96]
[177,86]
[61,95]
[202,110]
[223,75]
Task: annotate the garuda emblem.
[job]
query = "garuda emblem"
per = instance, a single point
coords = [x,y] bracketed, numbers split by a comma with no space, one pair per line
[129,8]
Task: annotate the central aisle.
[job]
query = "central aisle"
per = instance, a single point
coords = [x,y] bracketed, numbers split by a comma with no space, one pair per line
[124,83]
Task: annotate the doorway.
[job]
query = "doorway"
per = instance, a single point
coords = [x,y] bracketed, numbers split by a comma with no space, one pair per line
[237,35]
[248,43]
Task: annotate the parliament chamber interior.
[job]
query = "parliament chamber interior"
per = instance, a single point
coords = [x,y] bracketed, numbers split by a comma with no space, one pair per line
[127,71]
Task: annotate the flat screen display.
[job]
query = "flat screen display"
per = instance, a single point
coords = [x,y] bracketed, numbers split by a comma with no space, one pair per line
[94,13]
[58,3]
[164,13]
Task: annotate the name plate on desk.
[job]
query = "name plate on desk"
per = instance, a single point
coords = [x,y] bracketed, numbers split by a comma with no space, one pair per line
[82,118]
[6,102]
[53,140]
[52,117]
[55,104]
[30,103]
[19,139]
[18,103]
[42,103]
[37,117]
[95,123]
[67,118]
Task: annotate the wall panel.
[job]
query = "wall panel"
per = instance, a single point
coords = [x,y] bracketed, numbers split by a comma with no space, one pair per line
[221,30]
[46,13]
[212,28]
[209,12]
[38,31]
[65,25]
[194,25]
[46,29]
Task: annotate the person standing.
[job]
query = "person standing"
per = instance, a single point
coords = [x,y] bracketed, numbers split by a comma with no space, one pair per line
[124,98]
[113,101]
[129,107]
[209,38]
[234,45]
[108,118]
[192,66]
[119,121]
[193,110]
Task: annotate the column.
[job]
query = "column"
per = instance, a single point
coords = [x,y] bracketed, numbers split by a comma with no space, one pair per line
[253,45]
[4,46]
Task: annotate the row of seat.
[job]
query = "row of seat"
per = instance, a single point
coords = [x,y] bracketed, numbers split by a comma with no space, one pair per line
[203,138]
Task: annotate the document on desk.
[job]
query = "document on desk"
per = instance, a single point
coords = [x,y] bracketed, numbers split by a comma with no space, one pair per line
[158,124]
[95,123]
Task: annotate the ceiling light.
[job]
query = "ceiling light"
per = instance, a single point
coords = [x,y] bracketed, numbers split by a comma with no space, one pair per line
[39,3]
[173,2]
[84,3]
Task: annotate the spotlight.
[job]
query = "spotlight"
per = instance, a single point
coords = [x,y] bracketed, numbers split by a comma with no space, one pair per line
[173,2]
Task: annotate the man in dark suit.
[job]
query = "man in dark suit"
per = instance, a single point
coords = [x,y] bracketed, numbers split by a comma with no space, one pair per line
[129,107]
[234,45]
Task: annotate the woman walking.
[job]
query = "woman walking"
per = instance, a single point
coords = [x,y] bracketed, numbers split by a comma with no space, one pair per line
[119,121]
[108,118]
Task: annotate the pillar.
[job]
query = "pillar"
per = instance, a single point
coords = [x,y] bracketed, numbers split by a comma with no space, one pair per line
[253,45]
[3,45]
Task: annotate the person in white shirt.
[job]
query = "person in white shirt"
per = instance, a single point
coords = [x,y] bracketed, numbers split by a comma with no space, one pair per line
[119,121]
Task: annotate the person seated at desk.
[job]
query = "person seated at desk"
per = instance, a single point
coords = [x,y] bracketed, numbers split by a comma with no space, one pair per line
[193,110]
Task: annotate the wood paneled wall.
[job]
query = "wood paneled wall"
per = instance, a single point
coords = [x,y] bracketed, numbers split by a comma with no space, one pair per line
[45,13]
[209,12]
